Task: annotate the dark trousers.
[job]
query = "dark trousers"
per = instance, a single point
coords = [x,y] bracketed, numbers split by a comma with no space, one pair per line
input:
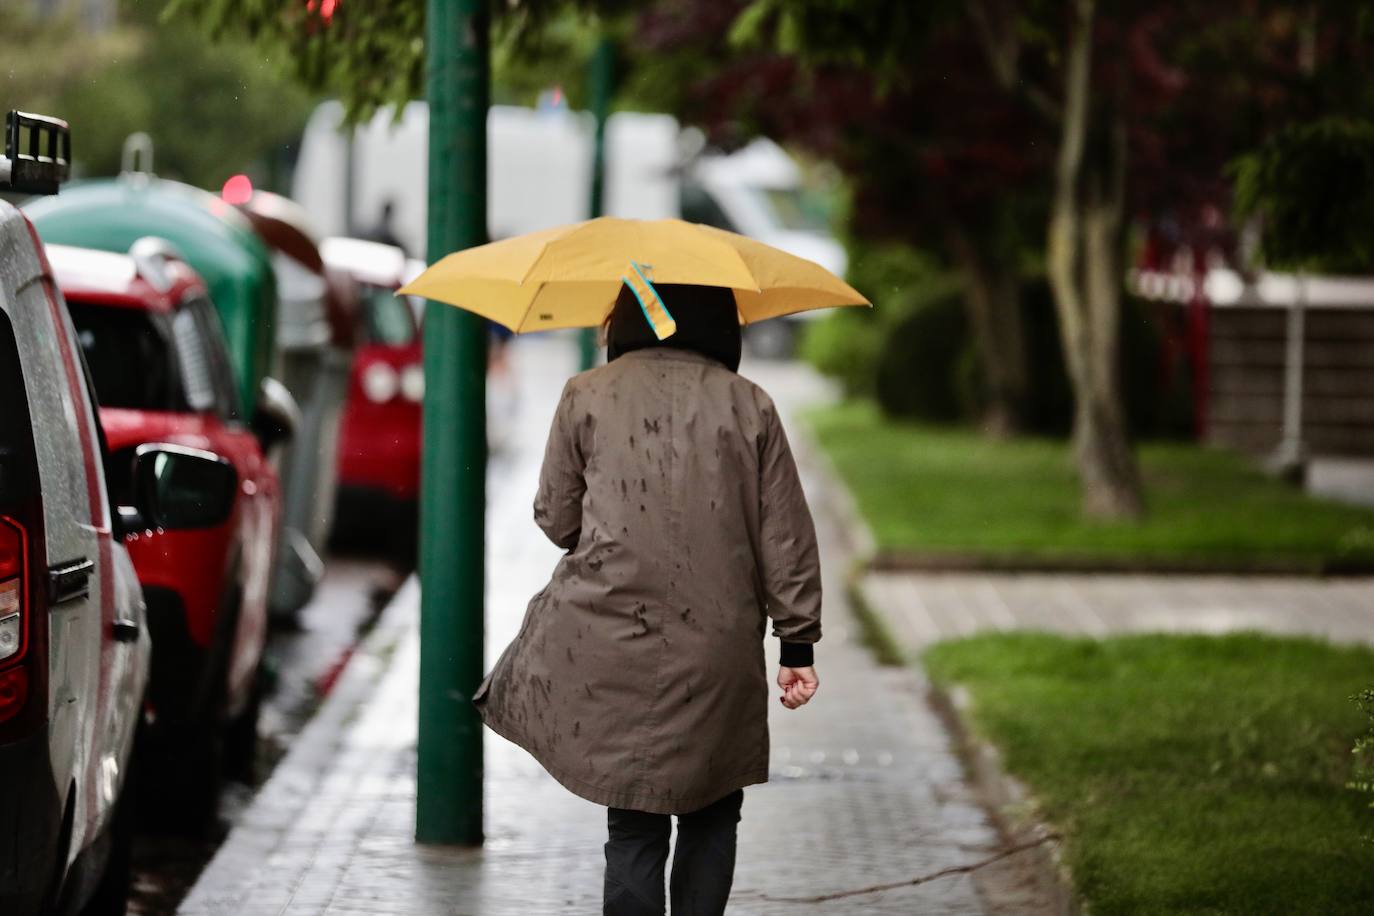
[703,864]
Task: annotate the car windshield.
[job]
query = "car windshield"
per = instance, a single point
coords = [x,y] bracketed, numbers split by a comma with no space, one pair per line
[798,209]
[117,339]
[389,319]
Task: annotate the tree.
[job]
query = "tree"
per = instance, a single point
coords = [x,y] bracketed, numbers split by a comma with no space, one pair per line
[1312,187]
[1145,103]
[193,97]
[935,159]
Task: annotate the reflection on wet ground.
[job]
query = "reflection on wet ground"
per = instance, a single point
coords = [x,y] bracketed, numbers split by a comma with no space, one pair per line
[302,662]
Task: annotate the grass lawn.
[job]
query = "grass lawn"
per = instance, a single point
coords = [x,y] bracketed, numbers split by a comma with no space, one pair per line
[1189,774]
[933,492]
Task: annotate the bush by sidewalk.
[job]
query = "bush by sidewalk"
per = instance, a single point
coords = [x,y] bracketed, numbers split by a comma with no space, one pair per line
[946,496]
[1187,774]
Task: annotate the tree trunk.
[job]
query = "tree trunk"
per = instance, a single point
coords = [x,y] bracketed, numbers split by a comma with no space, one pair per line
[1084,265]
[992,294]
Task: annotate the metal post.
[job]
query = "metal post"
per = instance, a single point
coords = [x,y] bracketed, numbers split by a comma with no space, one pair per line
[453,484]
[1291,454]
[603,85]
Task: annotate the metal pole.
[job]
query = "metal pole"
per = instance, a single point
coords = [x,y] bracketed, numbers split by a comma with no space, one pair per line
[603,85]
[453,481]
[1291,455]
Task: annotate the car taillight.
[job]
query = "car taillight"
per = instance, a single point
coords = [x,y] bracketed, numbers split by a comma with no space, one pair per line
[13,600]
[14,691]
[14,681]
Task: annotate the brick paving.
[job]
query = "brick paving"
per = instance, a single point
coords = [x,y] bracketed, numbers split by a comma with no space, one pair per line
[865,788]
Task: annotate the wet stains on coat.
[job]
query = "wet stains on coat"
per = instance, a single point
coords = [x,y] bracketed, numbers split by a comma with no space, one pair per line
[678,719]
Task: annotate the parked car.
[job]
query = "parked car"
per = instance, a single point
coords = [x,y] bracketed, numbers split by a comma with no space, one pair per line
[379,443]
[74,644]
[315,344]
[207,587]
[219,243]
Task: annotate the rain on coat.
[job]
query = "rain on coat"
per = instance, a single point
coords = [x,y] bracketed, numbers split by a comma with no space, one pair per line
[638,677]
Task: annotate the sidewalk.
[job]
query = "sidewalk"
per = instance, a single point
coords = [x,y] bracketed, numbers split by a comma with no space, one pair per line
[922,608]
[865,788]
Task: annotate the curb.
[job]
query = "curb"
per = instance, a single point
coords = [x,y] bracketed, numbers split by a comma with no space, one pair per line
[253,837]
[1009,801]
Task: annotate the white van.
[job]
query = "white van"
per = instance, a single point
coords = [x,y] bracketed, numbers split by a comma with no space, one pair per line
[539,167]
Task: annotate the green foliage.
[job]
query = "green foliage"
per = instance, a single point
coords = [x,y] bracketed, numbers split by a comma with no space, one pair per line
[844,345]
[1189,774]
[914,352]
[1313,186]
[211,109]
[876,36]
[847,344]
[46,58]
[371,53]
[920,372]
[941,491]
[1363,778]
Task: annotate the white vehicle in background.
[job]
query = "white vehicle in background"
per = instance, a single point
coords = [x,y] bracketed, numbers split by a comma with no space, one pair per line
[539,167]
[74,642]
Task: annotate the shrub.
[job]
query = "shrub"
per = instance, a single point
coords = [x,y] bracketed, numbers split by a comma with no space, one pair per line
[1363,778]
[918,371]
[914,352]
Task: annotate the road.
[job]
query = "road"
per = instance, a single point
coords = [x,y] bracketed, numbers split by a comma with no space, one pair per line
[302,663]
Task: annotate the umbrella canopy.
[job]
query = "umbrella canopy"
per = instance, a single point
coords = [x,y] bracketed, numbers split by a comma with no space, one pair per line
[569,276]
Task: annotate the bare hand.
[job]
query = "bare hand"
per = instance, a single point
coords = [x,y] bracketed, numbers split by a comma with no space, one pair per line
[798,685]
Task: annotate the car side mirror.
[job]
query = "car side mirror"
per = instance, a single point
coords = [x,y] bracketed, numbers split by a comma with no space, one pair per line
[277,415]
[177,488]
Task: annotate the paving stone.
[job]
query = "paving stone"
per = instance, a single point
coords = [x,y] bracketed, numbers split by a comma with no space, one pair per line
[926,607]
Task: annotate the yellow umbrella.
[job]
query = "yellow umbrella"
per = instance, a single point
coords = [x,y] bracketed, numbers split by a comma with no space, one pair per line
[569,276]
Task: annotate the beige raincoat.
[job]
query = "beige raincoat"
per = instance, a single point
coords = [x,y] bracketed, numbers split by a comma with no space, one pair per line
[638,676]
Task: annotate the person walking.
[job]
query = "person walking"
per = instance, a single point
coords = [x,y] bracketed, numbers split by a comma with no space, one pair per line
[638,677]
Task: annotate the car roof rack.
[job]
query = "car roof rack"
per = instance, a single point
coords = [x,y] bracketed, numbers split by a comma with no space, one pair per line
[38,153]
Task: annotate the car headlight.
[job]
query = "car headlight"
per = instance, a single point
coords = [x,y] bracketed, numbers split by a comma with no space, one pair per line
[380,383]
[413,382]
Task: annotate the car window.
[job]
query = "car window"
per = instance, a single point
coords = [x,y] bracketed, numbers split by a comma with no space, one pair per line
[799,209]
[212,343]
[116,339]
[16,446]
[698,206]
[389,319]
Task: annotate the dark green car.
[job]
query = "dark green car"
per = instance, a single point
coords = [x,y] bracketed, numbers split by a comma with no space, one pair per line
[214,238]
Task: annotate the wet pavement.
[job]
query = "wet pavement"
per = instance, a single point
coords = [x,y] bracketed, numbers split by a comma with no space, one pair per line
[925,607]
[302,663]
[865,788]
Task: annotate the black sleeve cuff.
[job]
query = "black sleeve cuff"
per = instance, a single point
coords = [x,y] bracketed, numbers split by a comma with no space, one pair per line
[797,654]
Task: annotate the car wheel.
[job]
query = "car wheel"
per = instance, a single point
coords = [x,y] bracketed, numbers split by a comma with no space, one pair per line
[184,776]
[241,742]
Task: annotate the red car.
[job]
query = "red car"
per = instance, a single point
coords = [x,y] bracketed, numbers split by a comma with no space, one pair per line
[379,443]
[157,357]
